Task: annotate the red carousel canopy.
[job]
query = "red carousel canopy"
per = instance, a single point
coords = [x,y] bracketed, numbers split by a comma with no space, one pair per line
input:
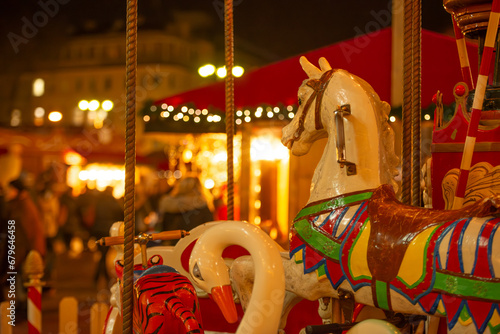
[367,56]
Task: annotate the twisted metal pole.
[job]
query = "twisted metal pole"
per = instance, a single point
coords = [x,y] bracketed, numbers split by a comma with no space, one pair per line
[407,107]
[129,205]
[416,28]
[229,59]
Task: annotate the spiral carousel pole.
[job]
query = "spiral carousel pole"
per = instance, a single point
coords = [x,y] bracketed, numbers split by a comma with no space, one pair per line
[416,31]
[131,68]
[229,59]
[411,103]
[406,113]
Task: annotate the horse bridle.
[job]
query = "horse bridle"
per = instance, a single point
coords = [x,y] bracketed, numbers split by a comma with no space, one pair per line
[319,87]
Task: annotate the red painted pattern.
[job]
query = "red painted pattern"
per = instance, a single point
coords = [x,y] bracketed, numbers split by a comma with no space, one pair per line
[166,303]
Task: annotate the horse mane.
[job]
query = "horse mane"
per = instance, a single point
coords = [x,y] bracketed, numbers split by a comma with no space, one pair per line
[388,159]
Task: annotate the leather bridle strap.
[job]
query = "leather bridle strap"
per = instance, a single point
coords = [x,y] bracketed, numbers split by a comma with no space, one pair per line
[318,86]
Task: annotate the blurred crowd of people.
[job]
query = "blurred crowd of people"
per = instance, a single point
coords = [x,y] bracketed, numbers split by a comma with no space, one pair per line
[49,219]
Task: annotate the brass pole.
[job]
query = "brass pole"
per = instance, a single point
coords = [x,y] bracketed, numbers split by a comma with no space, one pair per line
[406,157]
[229,59]
[129,205]
[415,103]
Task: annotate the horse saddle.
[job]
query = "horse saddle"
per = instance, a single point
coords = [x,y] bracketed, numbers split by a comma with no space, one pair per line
[394,225]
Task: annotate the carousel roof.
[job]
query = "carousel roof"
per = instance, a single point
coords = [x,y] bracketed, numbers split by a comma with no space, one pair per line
[367,56]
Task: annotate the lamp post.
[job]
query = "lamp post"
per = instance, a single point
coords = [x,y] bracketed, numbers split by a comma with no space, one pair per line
[97,111]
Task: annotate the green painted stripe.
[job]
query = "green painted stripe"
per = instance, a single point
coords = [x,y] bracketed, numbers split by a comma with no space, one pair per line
[494,329]
[321,271]
[464,314]
[332,204]
[467,287]
[381,292]
[317,240]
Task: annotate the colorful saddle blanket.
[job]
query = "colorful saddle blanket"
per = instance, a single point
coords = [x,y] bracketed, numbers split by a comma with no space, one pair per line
[440,260]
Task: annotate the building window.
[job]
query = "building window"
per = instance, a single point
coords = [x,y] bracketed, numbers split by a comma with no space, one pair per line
[78,117]
[108,83]
[78,84]
[92,85]
[38,87]
[15,117]
[39,113]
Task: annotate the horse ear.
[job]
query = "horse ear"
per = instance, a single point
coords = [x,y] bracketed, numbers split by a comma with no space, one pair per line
[324,65]
[309,68]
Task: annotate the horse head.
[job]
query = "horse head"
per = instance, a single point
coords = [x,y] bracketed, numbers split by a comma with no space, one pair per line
[336,104]
[302,132]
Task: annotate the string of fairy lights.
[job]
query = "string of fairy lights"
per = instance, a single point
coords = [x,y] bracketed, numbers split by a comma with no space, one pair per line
[192,116]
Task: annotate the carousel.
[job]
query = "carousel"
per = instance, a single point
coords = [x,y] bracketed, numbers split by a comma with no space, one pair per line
[367,253]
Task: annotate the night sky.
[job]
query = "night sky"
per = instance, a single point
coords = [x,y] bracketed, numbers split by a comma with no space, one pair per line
[271,29]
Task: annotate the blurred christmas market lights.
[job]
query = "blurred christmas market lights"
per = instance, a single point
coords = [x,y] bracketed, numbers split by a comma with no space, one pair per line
[202,117]
[209,69]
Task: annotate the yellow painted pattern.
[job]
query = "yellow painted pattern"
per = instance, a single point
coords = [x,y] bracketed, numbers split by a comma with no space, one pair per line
[495,319]
[321,276]
[358,266]
[465,322]
[412,266]
[440,309]
[299,256]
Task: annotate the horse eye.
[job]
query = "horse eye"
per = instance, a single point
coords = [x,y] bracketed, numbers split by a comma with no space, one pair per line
[196,272]
[300,101]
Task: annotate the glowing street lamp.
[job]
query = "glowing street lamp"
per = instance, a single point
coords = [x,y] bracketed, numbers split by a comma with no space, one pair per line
[55,116]
[93,105]
[238,71]
[206,70]
[107,105]
[209,69]
[221,72]
[83,105]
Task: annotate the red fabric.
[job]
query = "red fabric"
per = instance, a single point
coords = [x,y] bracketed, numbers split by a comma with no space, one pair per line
[367,56]
[303,314]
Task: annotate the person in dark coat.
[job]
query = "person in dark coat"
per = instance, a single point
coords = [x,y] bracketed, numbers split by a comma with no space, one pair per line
[107,211]
[22,217]
[28,223]
[69,217]
[185,207]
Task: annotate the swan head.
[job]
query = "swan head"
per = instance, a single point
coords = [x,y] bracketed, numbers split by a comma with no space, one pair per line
[211,274]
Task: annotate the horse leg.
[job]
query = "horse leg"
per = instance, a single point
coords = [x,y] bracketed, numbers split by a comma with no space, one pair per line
[242,278]
[306,285]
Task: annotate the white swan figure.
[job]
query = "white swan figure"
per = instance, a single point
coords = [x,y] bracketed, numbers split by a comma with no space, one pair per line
[210,273]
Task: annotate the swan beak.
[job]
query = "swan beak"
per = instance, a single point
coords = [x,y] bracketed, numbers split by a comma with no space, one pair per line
[223,296]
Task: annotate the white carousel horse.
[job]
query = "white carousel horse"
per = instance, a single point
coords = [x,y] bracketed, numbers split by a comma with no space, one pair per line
[354,236]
